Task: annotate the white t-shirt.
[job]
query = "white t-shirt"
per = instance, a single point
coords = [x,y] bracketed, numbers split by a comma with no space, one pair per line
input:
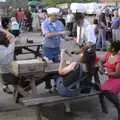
[90,34]
[70,18]
[14,25]
[85,24]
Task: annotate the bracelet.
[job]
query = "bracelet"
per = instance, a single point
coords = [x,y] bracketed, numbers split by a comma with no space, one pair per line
[106,73]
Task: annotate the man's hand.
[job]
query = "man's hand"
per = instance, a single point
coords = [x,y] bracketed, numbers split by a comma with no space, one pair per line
[67,38]
[72,65]
[64,33]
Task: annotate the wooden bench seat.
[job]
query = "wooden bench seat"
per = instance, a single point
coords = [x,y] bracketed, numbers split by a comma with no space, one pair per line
[44,100]
[54,99]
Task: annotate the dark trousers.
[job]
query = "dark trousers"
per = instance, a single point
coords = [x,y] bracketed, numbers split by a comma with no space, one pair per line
[113,98]
[15,32]
[70,28]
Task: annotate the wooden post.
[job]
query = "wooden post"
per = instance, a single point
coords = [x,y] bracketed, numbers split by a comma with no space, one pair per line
[116,3]
[39,114]
[33,87]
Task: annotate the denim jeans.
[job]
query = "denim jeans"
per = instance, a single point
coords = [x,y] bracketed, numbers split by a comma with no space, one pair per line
[52,54]
[66,91]
[101,41]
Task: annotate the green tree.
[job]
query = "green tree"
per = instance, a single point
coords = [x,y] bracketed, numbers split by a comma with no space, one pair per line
[54,2]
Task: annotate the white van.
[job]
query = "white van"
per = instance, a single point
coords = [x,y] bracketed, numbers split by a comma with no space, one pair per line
[93,8]
[78,7]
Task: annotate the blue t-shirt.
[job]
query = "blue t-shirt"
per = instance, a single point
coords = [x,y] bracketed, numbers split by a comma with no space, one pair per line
[48,26]
[115,23]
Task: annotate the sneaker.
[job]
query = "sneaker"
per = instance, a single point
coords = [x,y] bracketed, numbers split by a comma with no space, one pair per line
[104,50]
[97,49]
[70,114]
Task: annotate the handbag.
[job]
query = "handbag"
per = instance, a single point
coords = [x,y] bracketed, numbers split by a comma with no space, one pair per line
[72,77]
[78,76]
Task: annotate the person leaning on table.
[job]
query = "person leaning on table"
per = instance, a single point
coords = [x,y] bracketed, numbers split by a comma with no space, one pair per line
[7,45]
[53,31]
[76,71]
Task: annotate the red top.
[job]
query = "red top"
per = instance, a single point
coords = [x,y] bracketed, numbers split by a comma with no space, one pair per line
[20,15]
[113,83]
[111,67]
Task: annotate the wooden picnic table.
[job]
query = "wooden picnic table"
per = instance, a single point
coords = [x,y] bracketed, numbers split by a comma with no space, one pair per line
[33,72]
[36,72]
[33,48]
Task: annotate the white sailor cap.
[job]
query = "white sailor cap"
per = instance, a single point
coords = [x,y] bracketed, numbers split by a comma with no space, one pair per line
[53,10]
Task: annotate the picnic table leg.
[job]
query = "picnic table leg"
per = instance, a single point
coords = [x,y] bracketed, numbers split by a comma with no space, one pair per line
[67,107]
[37,52]
[33,87]
[39,114]
[18,91]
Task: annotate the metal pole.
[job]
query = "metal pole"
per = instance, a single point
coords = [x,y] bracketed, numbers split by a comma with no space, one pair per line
[116,3]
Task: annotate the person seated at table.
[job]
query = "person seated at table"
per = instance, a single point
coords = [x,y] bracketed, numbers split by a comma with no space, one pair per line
[74,74]
[111,87]
[14,28]
[7,44]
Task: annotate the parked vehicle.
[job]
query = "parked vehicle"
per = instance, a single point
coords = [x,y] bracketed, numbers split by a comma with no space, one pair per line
[92,8]
[78,7]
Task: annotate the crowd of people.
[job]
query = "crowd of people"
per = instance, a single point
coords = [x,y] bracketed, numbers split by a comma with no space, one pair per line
[25,19]
[104,28]
[89,37]
[106,25]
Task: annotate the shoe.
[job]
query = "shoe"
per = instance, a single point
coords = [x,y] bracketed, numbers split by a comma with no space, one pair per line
[97,49]
[48,87]
[70,114]
[50,91]
[96,86]
[104,50]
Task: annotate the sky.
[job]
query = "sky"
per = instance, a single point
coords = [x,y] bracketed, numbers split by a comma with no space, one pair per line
[2,0]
